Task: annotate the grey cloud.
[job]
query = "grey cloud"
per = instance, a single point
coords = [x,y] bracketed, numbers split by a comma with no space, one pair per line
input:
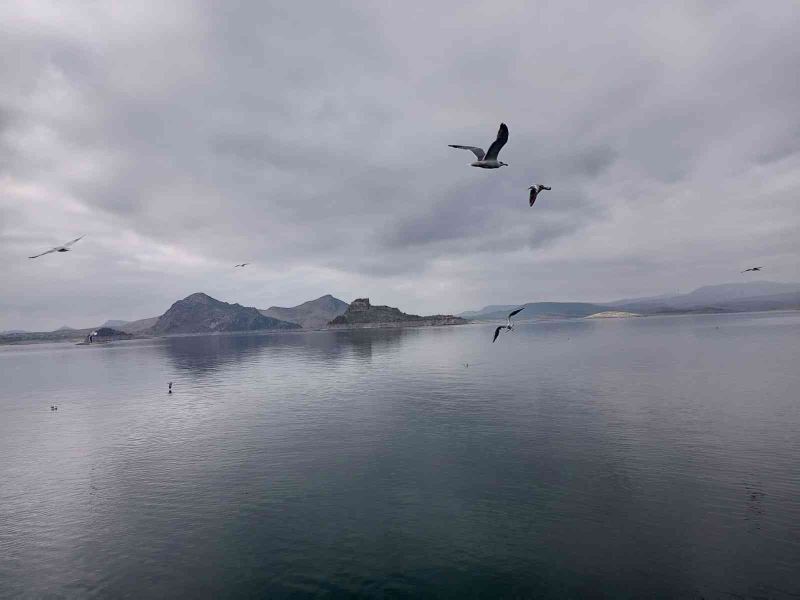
[312,138]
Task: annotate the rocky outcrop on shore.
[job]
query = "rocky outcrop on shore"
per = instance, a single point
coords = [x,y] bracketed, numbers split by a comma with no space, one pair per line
[362,314]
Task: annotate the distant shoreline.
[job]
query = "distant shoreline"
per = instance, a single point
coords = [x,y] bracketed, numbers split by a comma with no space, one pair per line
[14,339]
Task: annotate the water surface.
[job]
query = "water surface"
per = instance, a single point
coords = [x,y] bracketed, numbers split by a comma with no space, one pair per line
[655,457]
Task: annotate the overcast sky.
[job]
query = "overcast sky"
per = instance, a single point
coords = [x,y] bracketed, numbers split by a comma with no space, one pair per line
[310,139]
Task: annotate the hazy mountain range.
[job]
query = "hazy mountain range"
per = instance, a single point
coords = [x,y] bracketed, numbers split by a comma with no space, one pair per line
[536,310]
[724,296]
[728,297]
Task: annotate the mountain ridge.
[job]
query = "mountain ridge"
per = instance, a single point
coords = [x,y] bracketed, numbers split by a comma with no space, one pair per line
[200,313]
[312,314]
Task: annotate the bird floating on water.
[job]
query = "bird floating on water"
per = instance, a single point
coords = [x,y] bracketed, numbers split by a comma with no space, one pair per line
[508,326]
[752,269]
[241,265]
[535,189]
[488,160]
[64,248]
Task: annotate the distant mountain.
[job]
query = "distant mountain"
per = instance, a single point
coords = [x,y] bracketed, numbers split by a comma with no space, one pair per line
[200,313]
[722,296]
[114,323]
[542,310]
[12,332]
[66,328]
[361,313]
[140,326]
[492,308]
[309,315]
[760,303]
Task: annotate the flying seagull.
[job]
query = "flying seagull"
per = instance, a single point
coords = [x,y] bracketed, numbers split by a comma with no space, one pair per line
[241,265]
[64,248]
[535,189]
[488,160]
[510,325]
[752,269]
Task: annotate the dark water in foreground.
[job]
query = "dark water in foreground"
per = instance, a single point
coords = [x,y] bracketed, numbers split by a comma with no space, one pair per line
[654,457]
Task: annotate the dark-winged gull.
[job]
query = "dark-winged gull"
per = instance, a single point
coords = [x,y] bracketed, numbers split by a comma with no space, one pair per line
[535,189]
[64,248]
[488,160]
[241,265]
[508,326]
[752,269]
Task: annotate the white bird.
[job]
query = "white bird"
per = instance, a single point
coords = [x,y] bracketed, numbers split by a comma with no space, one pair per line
[509,326]
[535,189]
[64,248]
[488,160]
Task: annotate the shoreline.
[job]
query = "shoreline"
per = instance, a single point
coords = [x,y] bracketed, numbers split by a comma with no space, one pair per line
[9,341]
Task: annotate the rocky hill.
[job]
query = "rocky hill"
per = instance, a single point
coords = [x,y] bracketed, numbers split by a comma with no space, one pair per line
[309,315]
[361,313]
[200,313]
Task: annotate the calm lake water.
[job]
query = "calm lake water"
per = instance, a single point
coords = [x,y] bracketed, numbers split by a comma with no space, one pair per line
[655,457]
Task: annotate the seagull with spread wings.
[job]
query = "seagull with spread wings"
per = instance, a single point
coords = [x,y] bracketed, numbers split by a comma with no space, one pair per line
[535,189]
[509,326]
[64,248]
[241,265]
[488,160]
[752,269]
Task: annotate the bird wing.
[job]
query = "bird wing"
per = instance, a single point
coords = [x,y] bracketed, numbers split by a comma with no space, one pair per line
[513,312]
[496,333]
[474,149]
[534,193]
[502,138]
[43,253]
[72,242]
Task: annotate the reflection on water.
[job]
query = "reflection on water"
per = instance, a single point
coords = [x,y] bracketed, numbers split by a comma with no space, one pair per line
[210,352]
[641,458]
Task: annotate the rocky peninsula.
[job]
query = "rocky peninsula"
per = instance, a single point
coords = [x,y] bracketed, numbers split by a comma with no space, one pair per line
[362,314]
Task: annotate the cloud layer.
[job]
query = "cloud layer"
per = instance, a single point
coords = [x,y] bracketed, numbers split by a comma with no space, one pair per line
[311,140]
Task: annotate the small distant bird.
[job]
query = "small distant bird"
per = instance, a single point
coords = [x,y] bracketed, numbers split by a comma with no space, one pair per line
[53,407]
[488,160]
[535,189]
[170,388]
[752,269]
[241,265]
[64,248]
[509,326]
